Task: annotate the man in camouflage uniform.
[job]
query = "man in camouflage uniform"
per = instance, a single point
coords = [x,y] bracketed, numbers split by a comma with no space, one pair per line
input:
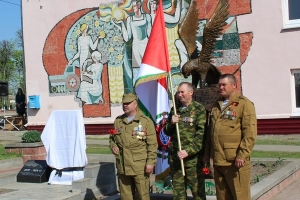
[133,142]
[231,137]
[190,117]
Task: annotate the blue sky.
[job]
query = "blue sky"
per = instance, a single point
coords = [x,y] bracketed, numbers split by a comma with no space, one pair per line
[10,13]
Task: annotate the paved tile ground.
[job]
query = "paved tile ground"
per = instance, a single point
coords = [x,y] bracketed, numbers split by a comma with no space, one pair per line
[37,191]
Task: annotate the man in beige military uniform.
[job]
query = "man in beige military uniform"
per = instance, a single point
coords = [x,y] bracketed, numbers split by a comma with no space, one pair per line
[230,140]
[133,142]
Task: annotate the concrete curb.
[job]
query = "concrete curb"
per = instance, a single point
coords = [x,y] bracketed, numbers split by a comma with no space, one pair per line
[13,162]
[276,182]
[23,145]
[284,148]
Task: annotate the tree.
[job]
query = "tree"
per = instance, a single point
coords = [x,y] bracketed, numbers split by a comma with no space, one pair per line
[12,64]
[19,39]
[6,63]
[19,62]
[17,79]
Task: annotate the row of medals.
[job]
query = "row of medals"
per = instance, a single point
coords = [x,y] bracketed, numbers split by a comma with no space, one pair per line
[228,114]
[188,119]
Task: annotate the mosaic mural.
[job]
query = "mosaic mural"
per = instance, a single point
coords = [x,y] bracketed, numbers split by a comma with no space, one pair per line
[94,53]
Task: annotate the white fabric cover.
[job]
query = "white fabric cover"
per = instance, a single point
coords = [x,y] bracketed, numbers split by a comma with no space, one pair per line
[66,178]
[64,140]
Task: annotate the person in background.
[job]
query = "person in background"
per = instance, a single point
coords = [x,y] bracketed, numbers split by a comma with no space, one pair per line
[133,142]
[20,103]
[191,118]
[231,136]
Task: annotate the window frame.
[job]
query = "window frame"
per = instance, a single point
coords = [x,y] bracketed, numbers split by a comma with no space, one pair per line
[287,24]
[295,110]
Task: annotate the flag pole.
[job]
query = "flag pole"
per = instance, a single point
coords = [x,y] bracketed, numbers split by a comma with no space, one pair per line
[170,80]
[177,127]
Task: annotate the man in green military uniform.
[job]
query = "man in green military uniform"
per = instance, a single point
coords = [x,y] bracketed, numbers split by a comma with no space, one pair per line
[231,137]
[133,142]
[191,117]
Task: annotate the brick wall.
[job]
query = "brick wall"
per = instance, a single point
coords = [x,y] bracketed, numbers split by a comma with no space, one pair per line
[29,153]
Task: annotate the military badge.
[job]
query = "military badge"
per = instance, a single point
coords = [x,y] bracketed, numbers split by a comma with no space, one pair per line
[139,132]
[230,114]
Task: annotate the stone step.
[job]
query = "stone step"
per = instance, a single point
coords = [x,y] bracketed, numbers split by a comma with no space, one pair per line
[100,177]
[8,163]
[100,180]
[9,169]
[96,158]
[8,177]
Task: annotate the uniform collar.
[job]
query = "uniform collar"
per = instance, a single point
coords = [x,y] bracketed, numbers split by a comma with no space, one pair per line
[136,118]
[187,108]
[235,98]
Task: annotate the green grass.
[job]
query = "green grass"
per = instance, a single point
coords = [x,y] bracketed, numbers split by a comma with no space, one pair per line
[272,154]
[4,155]
[97,149]
[276,142]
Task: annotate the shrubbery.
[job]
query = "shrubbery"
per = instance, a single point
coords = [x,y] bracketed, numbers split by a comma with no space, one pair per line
[31,136]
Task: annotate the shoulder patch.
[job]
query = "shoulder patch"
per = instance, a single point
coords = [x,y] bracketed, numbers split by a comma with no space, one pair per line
[145,117]
[120,116]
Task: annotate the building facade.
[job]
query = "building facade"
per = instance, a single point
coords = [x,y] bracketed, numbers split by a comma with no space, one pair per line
[84,55]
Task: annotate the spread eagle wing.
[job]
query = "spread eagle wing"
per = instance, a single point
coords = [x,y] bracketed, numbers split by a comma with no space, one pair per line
[188,28]
[213,29]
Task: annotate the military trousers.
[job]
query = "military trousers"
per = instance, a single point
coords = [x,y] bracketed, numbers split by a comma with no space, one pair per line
[134,187]
[193,178]
[232,183]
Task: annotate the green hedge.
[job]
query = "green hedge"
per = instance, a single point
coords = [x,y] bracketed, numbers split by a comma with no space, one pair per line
[31,136]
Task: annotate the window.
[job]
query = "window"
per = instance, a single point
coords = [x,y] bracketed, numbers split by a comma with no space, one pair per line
[296,93]
[291,14]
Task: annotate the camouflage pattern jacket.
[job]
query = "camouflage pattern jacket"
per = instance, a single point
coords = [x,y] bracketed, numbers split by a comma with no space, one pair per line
[134,152]
[232,131]
[191,129]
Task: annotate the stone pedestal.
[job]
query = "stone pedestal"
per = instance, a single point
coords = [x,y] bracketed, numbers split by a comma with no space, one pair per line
[29,151]
[207,95]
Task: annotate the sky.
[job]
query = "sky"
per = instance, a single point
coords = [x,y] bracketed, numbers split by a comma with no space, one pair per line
[10,13]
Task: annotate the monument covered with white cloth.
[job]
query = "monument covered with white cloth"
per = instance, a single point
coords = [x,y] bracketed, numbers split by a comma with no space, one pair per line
[65,144]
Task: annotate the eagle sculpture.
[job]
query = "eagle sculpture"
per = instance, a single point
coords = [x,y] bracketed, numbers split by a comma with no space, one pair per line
[201,68]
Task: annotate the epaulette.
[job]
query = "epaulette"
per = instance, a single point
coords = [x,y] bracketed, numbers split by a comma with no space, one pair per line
[245,98]
[120,116]
[197,104]
[145,117]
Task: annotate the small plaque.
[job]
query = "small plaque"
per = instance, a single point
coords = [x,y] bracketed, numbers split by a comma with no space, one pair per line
[34,171]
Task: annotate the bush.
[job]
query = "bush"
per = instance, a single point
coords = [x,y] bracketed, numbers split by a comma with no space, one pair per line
[31,136]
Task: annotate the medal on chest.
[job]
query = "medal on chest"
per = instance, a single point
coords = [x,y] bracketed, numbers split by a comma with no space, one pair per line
[139,132]
[190,119]
[230,114]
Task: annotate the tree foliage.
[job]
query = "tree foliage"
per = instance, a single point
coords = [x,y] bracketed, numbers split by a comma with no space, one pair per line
[6,62]
[12,63]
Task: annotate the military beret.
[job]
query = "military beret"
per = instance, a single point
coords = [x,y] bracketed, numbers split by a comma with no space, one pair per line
[129,98]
